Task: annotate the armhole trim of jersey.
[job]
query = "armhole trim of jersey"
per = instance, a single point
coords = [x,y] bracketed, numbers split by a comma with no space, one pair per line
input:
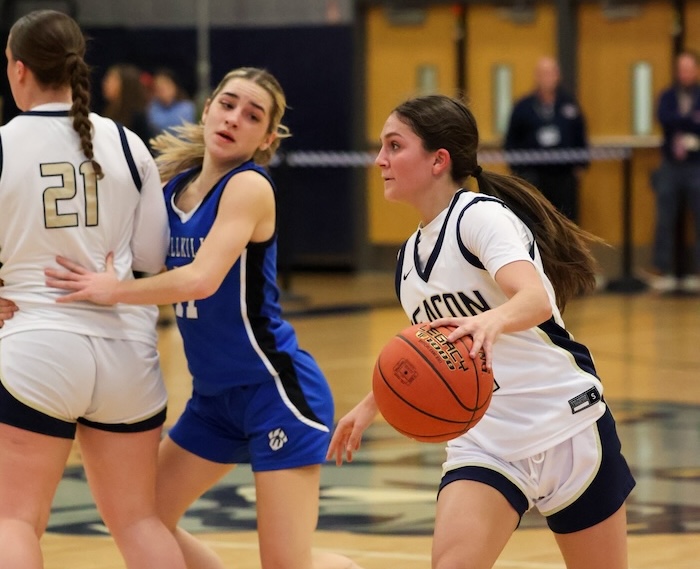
[249,165]
[470,257]
[560,336]
[129,157]
[399,268]
[1,156]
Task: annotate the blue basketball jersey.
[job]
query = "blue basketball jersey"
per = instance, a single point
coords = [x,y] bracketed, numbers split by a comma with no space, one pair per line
[236,336]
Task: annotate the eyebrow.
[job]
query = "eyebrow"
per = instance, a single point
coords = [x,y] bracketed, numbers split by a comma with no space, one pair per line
[252,103]
[390,134]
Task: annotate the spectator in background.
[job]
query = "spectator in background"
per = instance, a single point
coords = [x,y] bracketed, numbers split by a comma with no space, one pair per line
[677,180]
[126,99]
[549,119]
[170,106]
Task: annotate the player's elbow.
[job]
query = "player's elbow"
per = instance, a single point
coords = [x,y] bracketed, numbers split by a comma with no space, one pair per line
[543,308]
[546,313]
[202,282]
[198,280]
[202,287]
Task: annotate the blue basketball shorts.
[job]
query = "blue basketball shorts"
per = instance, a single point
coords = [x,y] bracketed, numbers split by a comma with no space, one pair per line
[280,423]
[575,485]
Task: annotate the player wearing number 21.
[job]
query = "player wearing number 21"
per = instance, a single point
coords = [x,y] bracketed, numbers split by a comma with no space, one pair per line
[76,183]
[499,264]
[257,397]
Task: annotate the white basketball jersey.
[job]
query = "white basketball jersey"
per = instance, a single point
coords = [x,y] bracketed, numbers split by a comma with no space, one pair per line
[547,388]
[51,203]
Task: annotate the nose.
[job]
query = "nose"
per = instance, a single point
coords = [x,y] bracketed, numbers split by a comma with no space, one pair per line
[380,160]
[232,118]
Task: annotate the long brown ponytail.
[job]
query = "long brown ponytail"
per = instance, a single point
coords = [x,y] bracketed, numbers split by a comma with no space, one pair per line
[443,122]
[564,246]
[51,44]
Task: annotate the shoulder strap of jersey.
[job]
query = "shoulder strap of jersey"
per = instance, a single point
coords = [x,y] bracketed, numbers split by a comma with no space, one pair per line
[470,257]
[129,157]
[262,171]
[249,165]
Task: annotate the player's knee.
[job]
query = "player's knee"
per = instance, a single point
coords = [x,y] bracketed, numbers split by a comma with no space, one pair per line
[18,526]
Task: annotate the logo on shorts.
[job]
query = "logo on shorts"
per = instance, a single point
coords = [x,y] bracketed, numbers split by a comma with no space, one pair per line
[277,439]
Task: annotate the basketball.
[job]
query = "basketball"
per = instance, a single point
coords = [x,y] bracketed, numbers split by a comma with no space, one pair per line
[430,389]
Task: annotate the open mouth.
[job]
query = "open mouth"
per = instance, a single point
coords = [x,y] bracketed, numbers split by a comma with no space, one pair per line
[226,136]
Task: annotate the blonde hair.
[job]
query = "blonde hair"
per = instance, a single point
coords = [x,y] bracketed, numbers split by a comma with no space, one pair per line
[184,148]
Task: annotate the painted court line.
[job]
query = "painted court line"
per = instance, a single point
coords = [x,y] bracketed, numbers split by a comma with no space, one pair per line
[503,564]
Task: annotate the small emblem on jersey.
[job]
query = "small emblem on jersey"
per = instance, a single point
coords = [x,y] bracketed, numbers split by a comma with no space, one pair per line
[405,372]
[405,275]
[277,439]
[585,400]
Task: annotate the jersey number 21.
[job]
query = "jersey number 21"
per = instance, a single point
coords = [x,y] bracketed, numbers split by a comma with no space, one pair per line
[67,191]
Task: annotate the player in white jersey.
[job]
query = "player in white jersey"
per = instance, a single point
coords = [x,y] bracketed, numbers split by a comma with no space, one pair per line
[75,183]
[499,265]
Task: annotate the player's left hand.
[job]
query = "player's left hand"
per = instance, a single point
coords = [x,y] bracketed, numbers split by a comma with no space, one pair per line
[98,288]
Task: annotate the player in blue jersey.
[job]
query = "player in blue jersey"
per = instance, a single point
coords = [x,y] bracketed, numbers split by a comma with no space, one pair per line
[257,398]
[548,439]
[72,181]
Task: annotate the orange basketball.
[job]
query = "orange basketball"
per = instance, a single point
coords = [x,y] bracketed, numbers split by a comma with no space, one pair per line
[430,389]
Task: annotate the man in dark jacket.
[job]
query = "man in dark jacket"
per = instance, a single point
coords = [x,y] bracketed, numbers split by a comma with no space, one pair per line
[545,120]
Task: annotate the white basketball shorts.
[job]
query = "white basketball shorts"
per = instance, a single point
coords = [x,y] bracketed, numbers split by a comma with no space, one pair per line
[52,379]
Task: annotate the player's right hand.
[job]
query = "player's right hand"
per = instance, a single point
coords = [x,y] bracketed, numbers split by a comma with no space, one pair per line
[348,433]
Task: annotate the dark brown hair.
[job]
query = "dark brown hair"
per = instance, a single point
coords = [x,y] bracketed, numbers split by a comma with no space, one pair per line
[443,122]
[52,46]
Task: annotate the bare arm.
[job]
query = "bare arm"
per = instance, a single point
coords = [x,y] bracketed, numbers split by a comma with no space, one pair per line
[527,306]
[149,242]
[348,433]
[246,213]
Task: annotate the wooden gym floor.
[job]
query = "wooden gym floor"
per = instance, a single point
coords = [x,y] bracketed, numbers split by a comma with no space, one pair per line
[379,509]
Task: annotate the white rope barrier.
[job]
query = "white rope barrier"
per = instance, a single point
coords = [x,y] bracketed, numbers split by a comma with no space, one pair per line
[358,159]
